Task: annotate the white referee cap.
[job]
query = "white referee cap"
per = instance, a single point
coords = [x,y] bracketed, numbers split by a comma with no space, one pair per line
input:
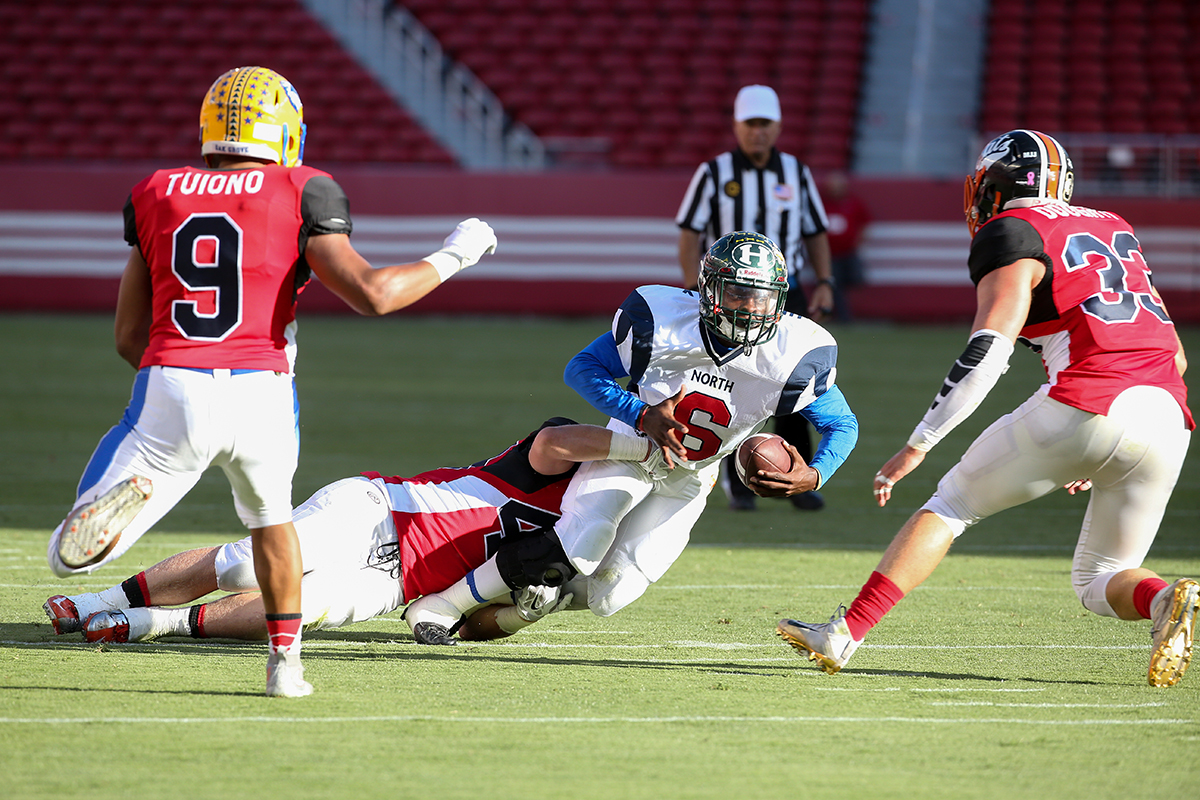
[756,102]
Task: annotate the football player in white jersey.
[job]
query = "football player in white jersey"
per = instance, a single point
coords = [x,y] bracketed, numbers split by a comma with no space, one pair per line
[705,371]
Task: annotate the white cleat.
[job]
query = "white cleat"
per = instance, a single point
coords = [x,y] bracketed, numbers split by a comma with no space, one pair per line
[828,643]
[285,676]
[1174,624]
[93,530]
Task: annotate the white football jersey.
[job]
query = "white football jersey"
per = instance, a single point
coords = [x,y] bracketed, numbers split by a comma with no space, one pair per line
[730,395]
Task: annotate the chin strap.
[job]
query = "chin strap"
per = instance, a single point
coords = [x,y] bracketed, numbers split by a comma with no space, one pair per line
[971,378]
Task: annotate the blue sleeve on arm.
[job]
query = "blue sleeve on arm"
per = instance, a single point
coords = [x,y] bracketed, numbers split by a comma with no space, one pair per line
[593,372]
[830,414]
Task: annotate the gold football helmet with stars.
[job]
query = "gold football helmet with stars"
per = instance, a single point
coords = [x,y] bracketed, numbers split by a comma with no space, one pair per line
[253,112]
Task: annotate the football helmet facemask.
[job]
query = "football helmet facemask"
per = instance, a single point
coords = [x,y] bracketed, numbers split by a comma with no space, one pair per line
[253,112]
[743,286]
[1019,163]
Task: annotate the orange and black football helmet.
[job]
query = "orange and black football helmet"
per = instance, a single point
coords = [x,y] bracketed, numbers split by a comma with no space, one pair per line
[1020,163]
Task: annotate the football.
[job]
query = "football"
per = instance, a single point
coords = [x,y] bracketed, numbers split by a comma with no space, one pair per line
[762,451]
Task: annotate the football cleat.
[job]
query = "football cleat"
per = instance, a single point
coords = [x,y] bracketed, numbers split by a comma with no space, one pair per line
[828,643]
[1174,624]
[63,614]
[92,530]
[436,618]
[285,676]
[107,626]
[432,633]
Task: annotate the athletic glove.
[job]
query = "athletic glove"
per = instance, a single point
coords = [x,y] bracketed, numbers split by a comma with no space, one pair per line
[466,244]
[536,602]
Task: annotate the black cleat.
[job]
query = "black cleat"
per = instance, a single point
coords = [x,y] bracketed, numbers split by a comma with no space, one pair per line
[432,633]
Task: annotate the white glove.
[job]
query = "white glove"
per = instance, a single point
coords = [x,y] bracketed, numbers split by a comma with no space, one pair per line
[466,244]
[536,602]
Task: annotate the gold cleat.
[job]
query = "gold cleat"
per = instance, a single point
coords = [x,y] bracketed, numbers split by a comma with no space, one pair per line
[1174,619]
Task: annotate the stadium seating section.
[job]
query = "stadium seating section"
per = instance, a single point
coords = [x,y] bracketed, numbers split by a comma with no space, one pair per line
[123,80]
[643,84]
[624,83]
[1095,67]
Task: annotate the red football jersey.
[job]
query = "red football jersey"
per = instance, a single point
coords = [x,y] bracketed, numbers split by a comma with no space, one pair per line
[225,249]
[1096,319]
[451,520]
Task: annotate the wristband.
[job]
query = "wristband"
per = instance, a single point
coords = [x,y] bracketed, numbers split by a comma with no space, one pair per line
[637,425]
[446,263]
[826,282]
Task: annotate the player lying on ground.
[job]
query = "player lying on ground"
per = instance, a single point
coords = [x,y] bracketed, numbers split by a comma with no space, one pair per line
[705,371]
[1072,284]
[369,544]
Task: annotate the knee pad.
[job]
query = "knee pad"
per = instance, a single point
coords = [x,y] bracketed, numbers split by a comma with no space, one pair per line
[235,567]
[534,561]
[1093,594]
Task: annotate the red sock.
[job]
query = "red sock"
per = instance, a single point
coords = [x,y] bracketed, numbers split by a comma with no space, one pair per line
[1144,592]
[284,631]
[877,597]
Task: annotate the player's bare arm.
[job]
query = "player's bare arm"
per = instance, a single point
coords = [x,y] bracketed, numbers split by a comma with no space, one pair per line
[134,310]
[369,291]
[373,292]
[556,449]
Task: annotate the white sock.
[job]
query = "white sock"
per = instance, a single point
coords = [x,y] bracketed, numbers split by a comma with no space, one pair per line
[152,622]
[479,586]
[90,602]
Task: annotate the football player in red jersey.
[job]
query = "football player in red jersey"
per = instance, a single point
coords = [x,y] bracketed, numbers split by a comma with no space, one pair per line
[1071,283]
[206,314]
[370,544]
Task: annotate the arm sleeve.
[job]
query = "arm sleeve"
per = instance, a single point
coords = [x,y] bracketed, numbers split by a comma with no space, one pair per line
[830,414]
[971,378]
[131,234]
[324,208]
[594,371]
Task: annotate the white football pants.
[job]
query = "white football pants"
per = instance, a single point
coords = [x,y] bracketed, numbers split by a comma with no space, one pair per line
[622,530]
[340,527]
[1133,456]
[179,422]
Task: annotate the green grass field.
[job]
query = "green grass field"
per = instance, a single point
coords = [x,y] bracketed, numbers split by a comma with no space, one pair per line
[990,681]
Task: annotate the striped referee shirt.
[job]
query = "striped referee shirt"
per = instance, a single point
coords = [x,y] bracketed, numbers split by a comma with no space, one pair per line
[779,201]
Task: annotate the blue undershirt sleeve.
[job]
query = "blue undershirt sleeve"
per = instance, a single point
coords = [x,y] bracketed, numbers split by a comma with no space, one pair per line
[830,414]
[594,371]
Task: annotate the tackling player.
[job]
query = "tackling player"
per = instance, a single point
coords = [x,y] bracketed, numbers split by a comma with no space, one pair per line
[1072,284]
[369,544]
[706,370]
[206,313]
